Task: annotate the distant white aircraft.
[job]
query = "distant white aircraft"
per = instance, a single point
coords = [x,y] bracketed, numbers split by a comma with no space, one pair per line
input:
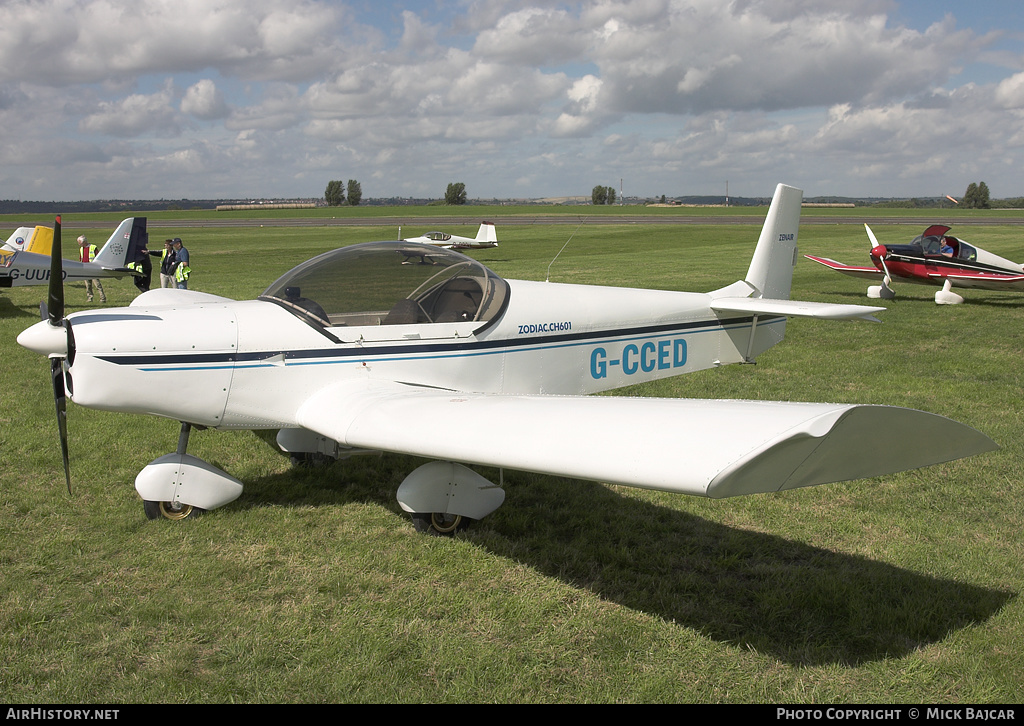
[352,351]
[486,237]
[21,264]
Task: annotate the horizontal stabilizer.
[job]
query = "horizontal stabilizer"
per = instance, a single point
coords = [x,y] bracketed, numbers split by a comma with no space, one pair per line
[700,447]
[794,308]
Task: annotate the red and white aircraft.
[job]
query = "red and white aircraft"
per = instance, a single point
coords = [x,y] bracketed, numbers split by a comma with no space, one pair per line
[933,258]
[352,351]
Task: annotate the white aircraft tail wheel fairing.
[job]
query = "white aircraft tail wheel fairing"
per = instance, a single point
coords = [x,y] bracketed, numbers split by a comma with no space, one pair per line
[411,348]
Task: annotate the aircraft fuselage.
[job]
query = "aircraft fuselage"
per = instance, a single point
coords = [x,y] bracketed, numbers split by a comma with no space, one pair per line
[978,269]
[250,364]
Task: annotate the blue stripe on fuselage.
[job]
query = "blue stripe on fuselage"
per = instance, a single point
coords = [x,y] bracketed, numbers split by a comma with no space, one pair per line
[420,351]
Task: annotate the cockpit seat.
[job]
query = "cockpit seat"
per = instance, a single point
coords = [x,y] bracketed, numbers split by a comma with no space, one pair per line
[406,312]
[458,300]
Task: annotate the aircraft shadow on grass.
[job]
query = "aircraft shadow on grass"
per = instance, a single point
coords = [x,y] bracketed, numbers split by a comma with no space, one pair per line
[8,310]
[801,604]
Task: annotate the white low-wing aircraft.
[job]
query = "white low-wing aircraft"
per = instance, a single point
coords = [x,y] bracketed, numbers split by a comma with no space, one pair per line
[354,351]
[30,239]
[21,266]
[486,237]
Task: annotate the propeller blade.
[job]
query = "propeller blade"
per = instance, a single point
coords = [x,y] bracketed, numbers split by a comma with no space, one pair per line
[874,245]
[871,237]
[55,304]
[61,404]
[53,310]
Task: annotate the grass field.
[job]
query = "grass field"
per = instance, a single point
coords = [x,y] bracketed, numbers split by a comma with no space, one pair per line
[313,586]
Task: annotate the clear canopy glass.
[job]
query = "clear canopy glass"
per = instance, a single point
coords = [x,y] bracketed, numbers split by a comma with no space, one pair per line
[390,283]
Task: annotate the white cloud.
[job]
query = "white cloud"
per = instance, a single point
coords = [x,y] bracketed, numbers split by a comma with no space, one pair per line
[134,115]
[198,97]
[204,100]
[64,42]
[1010,92]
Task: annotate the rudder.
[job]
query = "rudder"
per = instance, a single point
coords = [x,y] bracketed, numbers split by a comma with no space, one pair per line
[125,245]
[487,233]
[771,268]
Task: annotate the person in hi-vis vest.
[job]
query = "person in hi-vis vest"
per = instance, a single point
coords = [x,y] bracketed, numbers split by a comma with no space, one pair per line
[181,268]
[87,253]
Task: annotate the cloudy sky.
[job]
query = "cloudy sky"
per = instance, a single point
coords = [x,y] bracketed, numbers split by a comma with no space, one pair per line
[515,98]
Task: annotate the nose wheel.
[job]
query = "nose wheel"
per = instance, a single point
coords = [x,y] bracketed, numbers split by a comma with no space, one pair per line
[170,510]
[440,524]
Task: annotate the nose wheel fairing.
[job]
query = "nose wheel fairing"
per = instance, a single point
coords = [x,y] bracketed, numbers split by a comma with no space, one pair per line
[181,480]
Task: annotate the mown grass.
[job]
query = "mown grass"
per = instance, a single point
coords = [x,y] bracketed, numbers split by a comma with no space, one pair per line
[313,587]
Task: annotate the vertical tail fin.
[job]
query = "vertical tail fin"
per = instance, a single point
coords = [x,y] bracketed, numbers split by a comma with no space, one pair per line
[125,245]
[41,242]
[771,268]
[765,291]
[22,240]
[487,233]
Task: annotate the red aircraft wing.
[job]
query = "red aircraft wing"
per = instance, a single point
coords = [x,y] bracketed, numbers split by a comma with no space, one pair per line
[867,273]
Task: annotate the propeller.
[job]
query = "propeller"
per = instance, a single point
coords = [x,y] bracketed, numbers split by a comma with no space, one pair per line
[880,252]
[54,314]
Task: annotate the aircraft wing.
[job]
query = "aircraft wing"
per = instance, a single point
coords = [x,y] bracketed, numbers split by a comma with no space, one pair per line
[700,447]
[865,272]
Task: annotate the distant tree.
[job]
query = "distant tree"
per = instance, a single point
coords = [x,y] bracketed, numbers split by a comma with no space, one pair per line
[602,195]
[355,192]
[334,194]
[662,199]
[456,193]
[976,197]
[983,198]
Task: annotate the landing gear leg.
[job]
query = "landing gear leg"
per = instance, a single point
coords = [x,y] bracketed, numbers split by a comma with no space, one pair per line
[946,296]
[173,510]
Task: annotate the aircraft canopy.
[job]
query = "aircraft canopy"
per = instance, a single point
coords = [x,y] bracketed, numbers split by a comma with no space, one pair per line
[390,283]
[935,237]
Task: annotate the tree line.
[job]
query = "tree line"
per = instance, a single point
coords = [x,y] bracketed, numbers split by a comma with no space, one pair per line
[335,195]
[976,197]
[338,193]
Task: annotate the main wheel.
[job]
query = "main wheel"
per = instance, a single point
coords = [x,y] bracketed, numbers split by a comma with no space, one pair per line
[440,524]
[170,510]
[311,460]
